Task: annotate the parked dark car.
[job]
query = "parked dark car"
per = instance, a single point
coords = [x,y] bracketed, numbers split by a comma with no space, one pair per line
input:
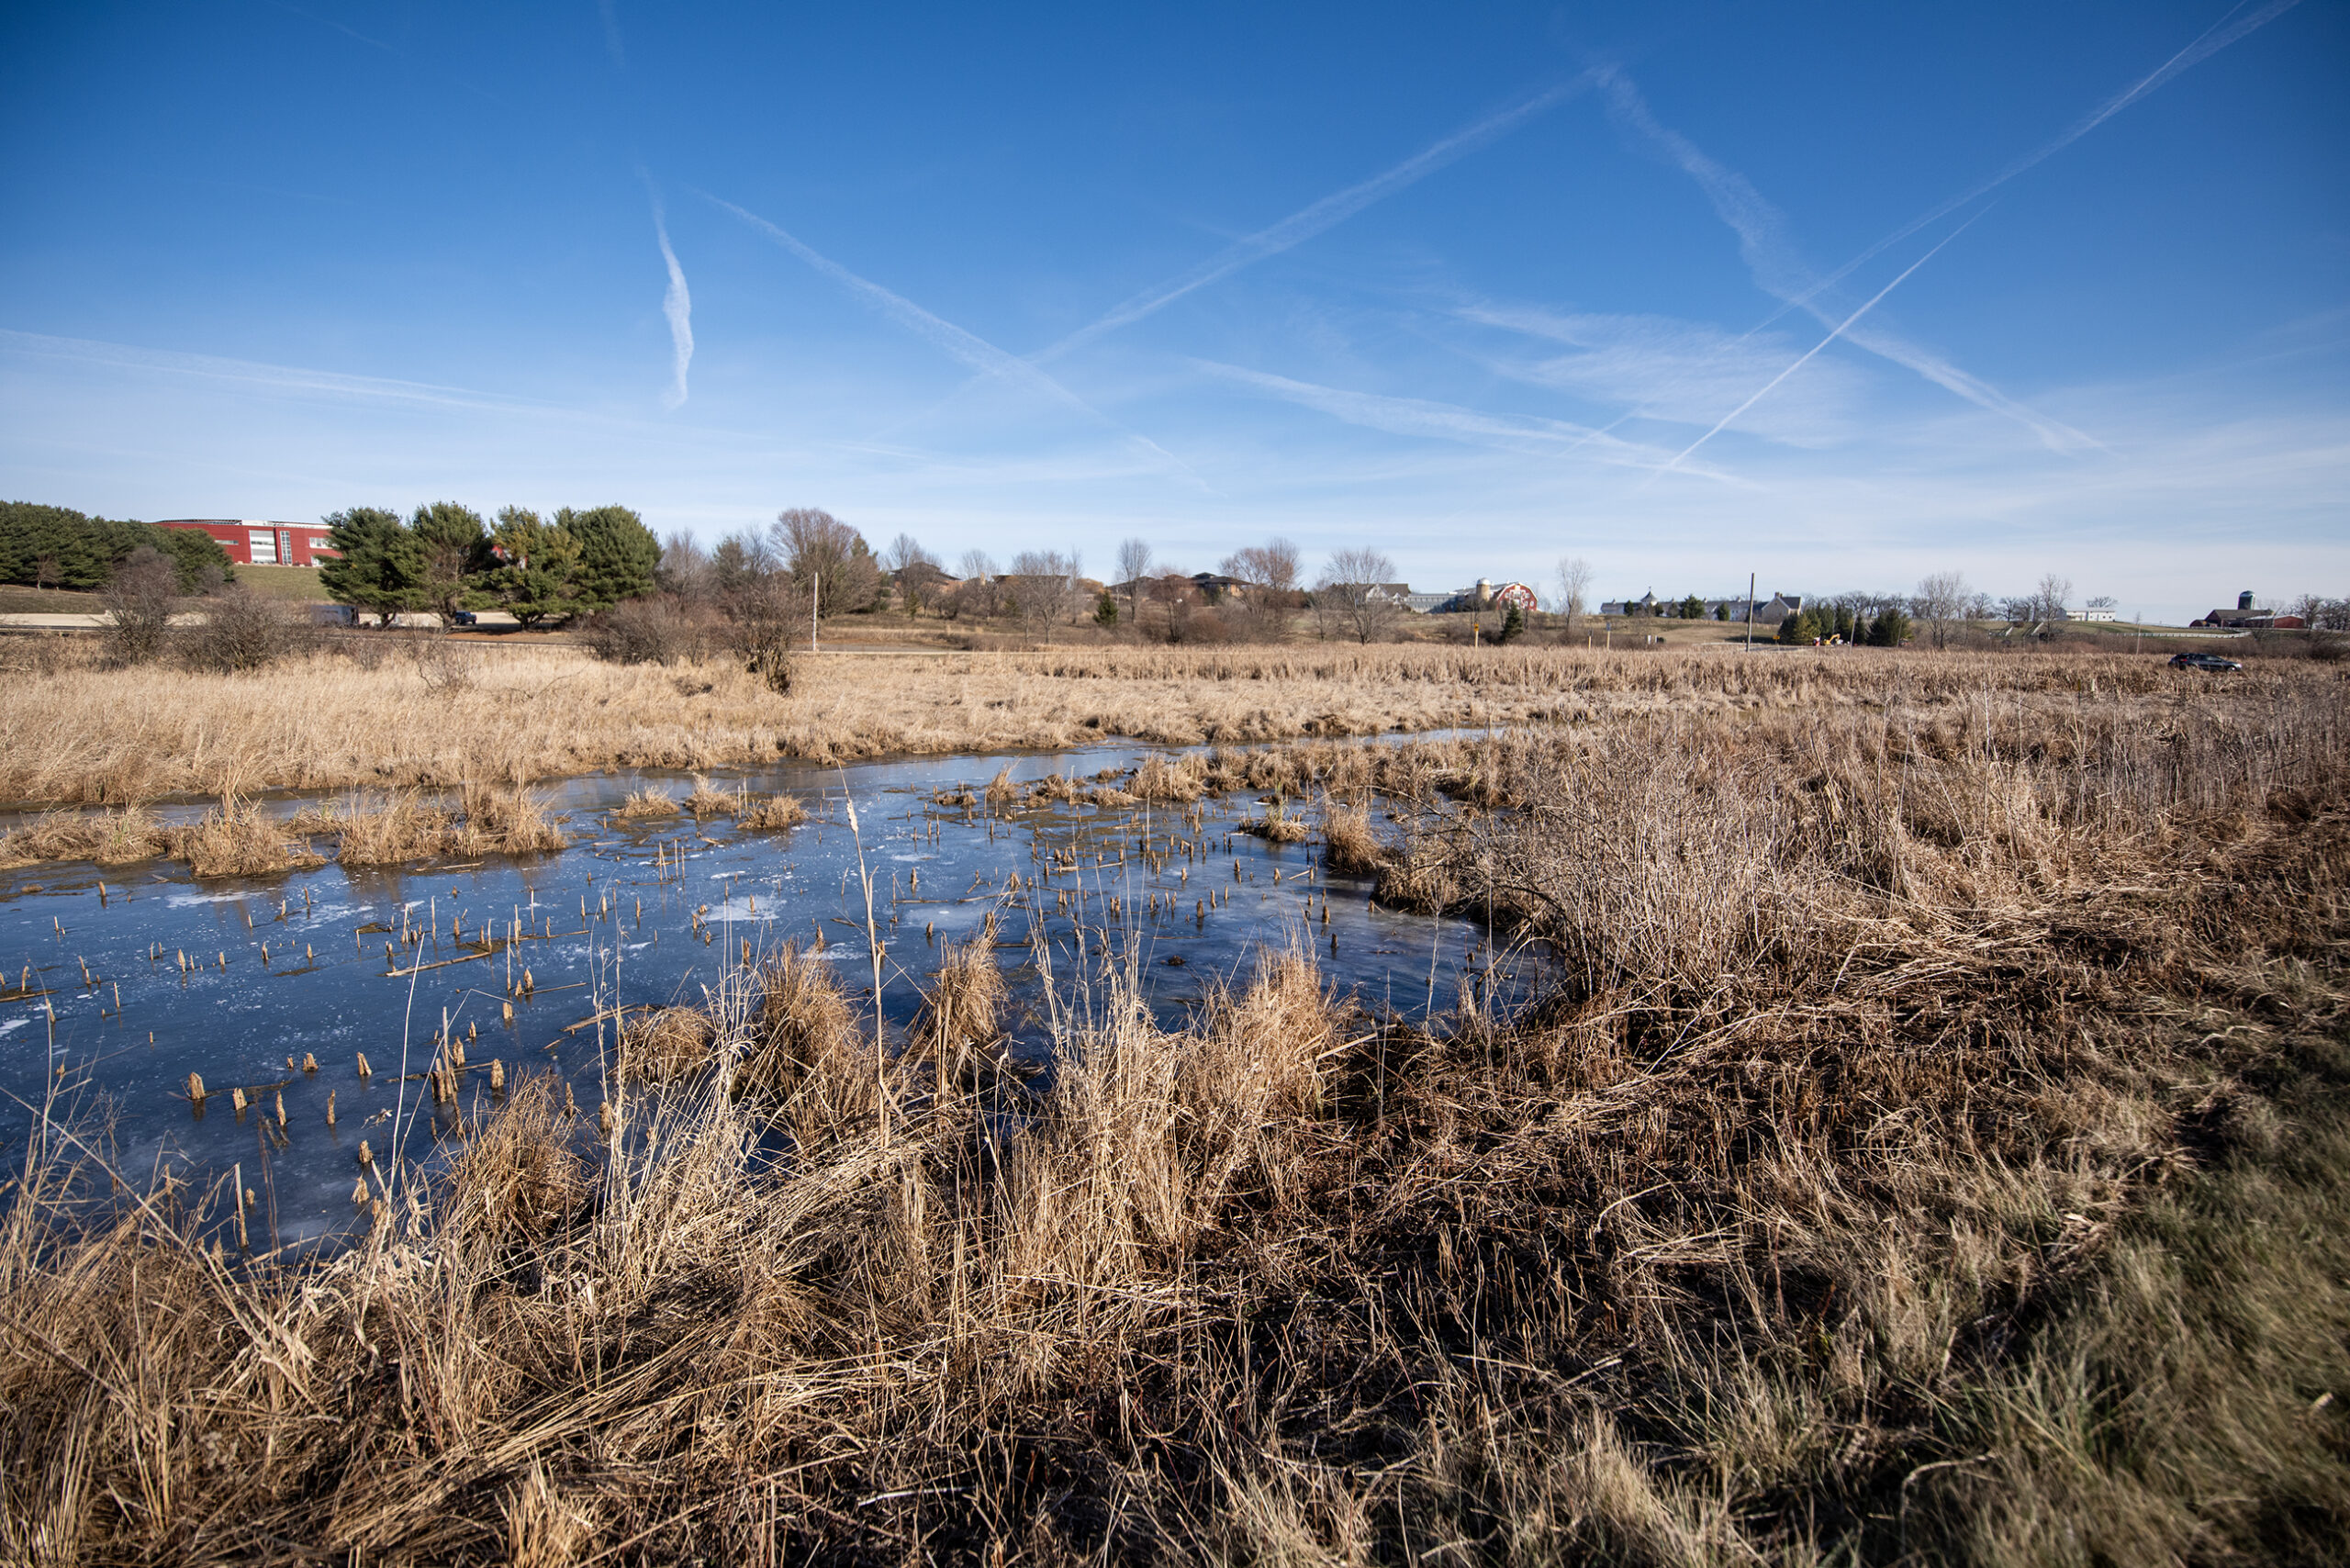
[464,618]
[2203,661]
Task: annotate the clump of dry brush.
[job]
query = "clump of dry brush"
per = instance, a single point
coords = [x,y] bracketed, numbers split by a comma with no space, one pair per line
[1932,1145]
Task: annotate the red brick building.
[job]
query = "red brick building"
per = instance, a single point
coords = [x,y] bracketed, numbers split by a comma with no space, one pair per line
[258,543]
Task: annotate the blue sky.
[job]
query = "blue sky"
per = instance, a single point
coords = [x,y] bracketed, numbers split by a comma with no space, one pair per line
[1838,294]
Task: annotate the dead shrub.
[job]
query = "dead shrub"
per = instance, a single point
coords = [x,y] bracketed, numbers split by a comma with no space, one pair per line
[661,630]
[142,595]
[238,630]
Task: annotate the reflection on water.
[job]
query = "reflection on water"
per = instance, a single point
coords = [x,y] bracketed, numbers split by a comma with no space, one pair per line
[115,990]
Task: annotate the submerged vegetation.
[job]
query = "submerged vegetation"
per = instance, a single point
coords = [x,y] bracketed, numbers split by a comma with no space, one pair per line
[1930,1143]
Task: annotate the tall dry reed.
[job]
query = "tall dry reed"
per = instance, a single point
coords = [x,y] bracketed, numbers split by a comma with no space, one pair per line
[1927,1145]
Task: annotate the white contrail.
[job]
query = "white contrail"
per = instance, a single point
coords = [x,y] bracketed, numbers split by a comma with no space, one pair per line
[970,349]
[1779,270]
[1422,417]
[2215,38]
[1837,332]
[1318,217]
[610,12]
[678,306]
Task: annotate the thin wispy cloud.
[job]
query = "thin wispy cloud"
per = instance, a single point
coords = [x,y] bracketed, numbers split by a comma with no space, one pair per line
[1449,421]
[677,305]
[1841,329]
[1670,370]
[1319,216]
[1778,268]
[966,347]
[287,380]
[609,11]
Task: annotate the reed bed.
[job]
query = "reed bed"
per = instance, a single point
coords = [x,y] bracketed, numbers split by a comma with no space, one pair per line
[1932,1143]
[238,839]
[71,731]
[772,814]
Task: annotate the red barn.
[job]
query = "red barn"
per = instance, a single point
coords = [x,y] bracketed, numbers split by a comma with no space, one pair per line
[257,543]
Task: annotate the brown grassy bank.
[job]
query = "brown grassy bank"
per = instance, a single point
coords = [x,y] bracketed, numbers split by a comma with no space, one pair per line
[1932,1149]
[441,715]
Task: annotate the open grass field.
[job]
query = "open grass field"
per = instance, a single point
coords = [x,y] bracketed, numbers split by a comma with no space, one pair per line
[1928,1144]
[441,711]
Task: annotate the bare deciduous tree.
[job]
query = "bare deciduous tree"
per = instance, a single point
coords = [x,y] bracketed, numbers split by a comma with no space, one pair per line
[979,595]
[1351,581]
[1574,587]
[828,557]
[1941,604]
[2048,599]
[1270,572]
[1134,565]
[685,568]
[1041,587]
[913,569]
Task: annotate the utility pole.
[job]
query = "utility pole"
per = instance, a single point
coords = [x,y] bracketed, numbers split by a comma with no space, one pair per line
[816,605]
[1750,612]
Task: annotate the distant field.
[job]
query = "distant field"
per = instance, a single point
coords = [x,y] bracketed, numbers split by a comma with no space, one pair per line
[386,708]
[300,583]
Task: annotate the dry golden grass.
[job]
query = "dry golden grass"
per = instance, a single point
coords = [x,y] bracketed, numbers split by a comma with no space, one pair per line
[1932,1143]
[705,801]
[1348,842]
[105,838]
[646,803]
[776,811]
[661,1043]
[76,732]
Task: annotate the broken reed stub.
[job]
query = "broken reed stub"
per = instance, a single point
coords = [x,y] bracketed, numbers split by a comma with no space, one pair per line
[309,1062]
[196,1086]
[329,1107]
[237,1099]
[359,1191]
[498,1073]
[366,1155]
[364,1070]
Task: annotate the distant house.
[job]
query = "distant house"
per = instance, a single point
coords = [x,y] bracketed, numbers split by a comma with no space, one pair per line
[1484,595]
[1767,612]
[1213,587]
[253,544]
[2250,615]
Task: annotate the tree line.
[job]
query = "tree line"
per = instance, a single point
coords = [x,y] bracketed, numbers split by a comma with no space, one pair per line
[57,548]
[445,558]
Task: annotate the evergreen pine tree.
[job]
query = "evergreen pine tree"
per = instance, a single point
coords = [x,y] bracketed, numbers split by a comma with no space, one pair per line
[538,568]
[380,568]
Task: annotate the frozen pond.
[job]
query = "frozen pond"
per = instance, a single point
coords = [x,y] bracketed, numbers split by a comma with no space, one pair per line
[113,994]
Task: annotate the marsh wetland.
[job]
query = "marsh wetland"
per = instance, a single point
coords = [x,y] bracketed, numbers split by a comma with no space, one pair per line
[272,990]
